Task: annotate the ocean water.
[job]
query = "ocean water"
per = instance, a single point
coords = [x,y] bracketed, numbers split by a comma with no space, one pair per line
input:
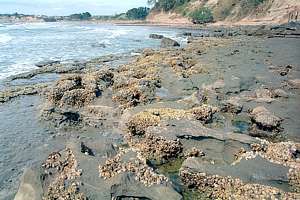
[23,45]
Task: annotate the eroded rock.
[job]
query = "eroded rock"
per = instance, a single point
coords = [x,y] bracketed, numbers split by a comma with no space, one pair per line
[152,117]
[47,63]
[257,170]
[129,188]
[157,148]
[220,187]
[232,105]
[30,186]
[14,92]
[156,36]
[69,97]
[120,164]
[283,153]
[264,119]
[294,83]
[73,90]
[167,42]
[61,170]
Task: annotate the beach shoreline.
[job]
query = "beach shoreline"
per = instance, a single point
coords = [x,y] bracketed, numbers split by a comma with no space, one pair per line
[168,123]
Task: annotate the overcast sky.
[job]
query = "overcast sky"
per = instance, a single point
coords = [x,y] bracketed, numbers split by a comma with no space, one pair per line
[66,7]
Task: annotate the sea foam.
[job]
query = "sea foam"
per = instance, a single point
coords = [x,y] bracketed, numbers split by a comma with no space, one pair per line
[5,38]
[16,68]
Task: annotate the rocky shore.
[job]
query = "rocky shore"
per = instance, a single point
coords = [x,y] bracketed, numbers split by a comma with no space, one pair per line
[215,119]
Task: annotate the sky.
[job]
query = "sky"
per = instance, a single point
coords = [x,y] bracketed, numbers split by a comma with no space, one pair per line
[67,7]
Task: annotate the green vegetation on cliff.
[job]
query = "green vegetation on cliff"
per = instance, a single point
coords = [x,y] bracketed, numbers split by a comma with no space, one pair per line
[242,8]
[202,15]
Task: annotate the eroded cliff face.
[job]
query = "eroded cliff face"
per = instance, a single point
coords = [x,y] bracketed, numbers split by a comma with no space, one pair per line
[233,11]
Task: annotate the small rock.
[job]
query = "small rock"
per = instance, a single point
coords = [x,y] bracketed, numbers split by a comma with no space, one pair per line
[86,150]
[167,42]
[232,105]
[194,152]
[295,83]
[156,36]
[187,34]
[280,93]
[201,96]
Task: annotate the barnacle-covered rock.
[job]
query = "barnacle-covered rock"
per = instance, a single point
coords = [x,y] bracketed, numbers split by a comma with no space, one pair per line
[73,90]
[68,97]
[232,105]
[193,152]
[13,92]
[203,113]
[143,173]
[136,83]
[61,170]
[294,179]
[283,153]
[139,122]
[152,117]
[226,187]
[264,119]
[158,148]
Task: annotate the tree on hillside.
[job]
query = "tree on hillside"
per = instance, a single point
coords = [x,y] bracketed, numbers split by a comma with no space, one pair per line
[81,16]
[138,13]
[166,5]
[86,15]
[152,2]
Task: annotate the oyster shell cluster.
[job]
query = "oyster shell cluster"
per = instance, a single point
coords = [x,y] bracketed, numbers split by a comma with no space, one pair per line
[218,187]
[142,172]
[61,169]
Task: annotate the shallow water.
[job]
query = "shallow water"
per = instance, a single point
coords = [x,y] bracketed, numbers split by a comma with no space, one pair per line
[23,45]
[23,141]
[242,126]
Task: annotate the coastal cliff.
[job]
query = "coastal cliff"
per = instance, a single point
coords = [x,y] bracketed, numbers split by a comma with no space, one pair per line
[245,12]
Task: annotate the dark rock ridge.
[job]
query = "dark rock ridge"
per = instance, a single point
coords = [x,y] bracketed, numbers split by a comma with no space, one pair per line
[156,36]
[47,63]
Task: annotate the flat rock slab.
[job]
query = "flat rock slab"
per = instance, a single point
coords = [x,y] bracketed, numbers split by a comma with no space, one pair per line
[174,129]
[30,186]
[129,188]
[257,170]
[120,186]
[47,63]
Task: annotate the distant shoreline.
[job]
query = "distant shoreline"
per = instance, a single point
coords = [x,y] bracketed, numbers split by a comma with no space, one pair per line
[147,23]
